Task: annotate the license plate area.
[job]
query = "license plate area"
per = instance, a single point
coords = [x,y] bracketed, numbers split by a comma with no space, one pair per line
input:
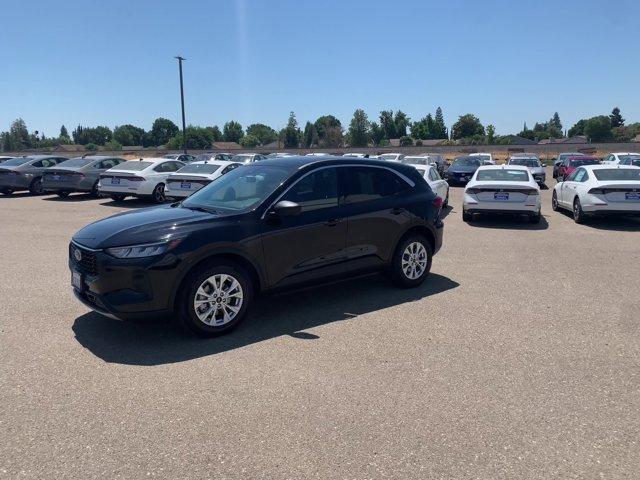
[185,185]
[115,181]
[55,177]
[501,196]
[76,280]
[632,196]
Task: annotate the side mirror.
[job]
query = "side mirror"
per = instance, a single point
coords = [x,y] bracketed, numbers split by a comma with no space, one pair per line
[285,208]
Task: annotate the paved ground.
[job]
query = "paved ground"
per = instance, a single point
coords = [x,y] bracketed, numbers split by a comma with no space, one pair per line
[519,358]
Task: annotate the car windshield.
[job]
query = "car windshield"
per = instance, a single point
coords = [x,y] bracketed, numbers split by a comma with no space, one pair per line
[418,160]
[76,162]
[133,165]
[618,174]
[630,159]
[579,162]
[16,161]
[389,156]
[525,162]
[199,168]
[466,162]
[171,156]
[241,158]
[204,156]
[503,175]
[241,189]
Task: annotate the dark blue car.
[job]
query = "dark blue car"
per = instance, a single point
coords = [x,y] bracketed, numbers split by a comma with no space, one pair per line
[462,169]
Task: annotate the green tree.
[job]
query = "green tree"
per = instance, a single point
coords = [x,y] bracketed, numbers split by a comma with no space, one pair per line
[329,131]
[162,131]
[216,134]
[439,127]
[63,132]
[598,129]
[401,122]
[616,118]
[577,129]
[19,134]
[232,131]
[467,126]
[406,141]
[291,132]
[310,136]
[359,129]
[491,134]
[555,122]
[113,145]
[198,138]
[264,133]
[376,133]
[388,124]
[249,141]
[128,135]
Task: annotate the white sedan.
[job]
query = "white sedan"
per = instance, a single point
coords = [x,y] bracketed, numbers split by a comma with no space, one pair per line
[507,189]
[435,181]
[391,157]
[620,157]
[192,177]
[138,178]
[486,158]
[599,190]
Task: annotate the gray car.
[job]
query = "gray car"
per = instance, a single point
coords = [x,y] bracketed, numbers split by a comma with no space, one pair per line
[536,168]
[25,173]
[79,174]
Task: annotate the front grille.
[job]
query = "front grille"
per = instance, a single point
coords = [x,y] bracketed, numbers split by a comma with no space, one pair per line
[87,261]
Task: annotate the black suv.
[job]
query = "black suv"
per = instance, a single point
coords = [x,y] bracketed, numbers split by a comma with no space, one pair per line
[262,227]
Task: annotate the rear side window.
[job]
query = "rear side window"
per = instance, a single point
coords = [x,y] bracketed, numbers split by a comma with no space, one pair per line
[315,191]
[366,184]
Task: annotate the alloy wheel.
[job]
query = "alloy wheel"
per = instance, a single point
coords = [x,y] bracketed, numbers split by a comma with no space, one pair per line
[218,300]
[414,260]
[158,194]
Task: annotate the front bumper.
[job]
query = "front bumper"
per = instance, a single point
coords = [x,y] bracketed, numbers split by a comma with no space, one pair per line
[126,289]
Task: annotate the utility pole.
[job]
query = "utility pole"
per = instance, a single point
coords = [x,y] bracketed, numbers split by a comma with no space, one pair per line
[184,135]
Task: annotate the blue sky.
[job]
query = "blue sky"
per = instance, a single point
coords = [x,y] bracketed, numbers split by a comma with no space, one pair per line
[109,63]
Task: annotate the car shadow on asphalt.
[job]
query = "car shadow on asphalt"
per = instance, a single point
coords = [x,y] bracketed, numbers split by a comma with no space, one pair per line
[162,342]
[507,222]
[79,197]
[617,224]
[16,195]
[132,203]
[446,211]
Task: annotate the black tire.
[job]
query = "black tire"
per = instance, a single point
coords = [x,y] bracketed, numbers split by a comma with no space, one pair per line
[466,217]
[578,213]
[446,200]
[535,218]
[62,194]
[187,310]
[7,192]
[35,188]
[158,195]
[554,202]
[94,190]
[118,197]
[398,275]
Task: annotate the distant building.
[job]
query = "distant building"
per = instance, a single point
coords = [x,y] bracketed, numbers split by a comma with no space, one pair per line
[575,140]
[226,146]
[516,140]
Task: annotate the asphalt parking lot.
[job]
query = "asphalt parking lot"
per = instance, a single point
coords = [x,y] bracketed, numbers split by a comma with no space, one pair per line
[518,358]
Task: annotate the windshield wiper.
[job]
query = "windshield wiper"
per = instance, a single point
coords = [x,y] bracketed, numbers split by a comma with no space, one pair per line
[198,208]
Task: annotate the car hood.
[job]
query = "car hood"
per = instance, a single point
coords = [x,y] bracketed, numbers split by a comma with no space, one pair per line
[146,225]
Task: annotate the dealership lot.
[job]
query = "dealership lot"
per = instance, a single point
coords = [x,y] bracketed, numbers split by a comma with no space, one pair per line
[518,358]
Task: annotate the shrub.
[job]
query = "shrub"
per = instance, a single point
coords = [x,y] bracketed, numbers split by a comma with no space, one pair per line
[406,141]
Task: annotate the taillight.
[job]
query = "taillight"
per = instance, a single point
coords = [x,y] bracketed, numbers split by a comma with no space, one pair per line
[596,191]
[78,174]
[533,191]
[136,179]
[473,191]
[437,202]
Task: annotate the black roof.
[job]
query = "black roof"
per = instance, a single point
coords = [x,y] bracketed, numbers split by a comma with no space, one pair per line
[299,162]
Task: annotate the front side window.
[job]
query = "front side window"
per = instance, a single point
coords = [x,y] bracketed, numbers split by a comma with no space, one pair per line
[581,176]
[76,162]
[572,176]
[367,184]
[241,189]
[316,190]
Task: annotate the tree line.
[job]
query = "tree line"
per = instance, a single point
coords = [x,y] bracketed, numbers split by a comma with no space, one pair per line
[325,132]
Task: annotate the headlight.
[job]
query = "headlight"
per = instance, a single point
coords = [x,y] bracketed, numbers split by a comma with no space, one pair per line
[146,250]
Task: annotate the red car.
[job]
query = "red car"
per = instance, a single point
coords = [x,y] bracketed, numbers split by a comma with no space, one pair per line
[569,164]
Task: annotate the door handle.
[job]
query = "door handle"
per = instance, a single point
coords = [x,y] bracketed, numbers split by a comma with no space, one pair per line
[332,222]
[397,210]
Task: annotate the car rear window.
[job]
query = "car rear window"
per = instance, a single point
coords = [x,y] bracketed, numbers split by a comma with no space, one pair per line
[579,162]
[466,162]
[76,162]
[134,166]
[525,162]
[618,174]
[199,168]
[503,175]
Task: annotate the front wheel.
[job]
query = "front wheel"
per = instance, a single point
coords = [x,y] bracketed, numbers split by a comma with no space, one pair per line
[63,194]
[158,194]
[118,197]
[411,262]
[36,187]
[216,299]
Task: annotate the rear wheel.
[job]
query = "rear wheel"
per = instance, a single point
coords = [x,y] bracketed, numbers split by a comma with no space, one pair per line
[411,261]
[554,201]
[62,194]
[94,190]
[466,217]
[36,187]
[216,299]
[118,197]
[578,213]
[158,194]
[7,191]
